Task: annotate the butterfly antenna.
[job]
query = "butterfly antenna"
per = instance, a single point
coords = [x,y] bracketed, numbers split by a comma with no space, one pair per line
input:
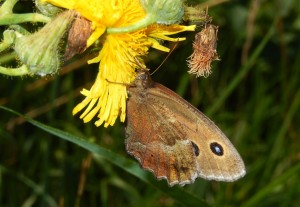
[138,63]
[165,58]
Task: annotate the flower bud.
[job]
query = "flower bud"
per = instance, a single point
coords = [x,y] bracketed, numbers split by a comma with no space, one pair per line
[165,11]
[39,51]
[46,8]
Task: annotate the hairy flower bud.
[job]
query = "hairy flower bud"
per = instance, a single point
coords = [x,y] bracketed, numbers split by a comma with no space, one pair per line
[39,51]
[165,11]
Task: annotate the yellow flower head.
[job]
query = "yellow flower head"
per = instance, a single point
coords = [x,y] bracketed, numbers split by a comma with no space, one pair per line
[127,33]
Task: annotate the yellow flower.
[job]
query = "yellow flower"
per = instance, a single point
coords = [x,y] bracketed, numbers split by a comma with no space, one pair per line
[107,97]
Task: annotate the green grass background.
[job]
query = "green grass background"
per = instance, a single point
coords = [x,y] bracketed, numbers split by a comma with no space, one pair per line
[59,161]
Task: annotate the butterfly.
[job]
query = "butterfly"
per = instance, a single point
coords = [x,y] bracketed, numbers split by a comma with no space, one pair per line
[173,139]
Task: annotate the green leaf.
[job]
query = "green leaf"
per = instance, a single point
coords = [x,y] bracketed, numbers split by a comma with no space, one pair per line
[177,193]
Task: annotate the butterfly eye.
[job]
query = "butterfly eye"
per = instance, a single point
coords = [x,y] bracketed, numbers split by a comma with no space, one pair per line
[216,148]
[143,76]
[196,149]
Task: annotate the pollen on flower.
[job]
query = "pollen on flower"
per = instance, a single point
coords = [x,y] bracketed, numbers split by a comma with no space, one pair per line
[107,97]
[204,51]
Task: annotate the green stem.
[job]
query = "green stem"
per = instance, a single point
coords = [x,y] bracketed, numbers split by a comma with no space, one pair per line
[23,70]
[4,58]
[149,19]
[7,7]
[9,19]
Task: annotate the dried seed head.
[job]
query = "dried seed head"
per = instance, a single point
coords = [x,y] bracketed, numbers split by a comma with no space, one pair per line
[79,33]
[204,51]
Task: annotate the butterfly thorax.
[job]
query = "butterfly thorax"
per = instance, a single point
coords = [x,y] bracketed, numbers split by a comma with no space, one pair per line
[139,86]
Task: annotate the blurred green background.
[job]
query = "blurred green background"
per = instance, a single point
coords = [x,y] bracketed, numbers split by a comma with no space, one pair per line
[252,95]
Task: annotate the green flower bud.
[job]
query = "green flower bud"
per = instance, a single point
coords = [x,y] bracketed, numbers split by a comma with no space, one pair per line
[46,8]
[165,11]
[39,51]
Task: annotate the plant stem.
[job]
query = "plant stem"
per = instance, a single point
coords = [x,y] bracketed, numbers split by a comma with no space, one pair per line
[23,70]
[21,18]
[7,7]
[149,19]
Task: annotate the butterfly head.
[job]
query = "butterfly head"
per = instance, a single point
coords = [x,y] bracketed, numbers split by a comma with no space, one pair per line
[143,79]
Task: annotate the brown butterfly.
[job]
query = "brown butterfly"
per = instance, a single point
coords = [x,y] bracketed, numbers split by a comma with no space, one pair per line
[173,139]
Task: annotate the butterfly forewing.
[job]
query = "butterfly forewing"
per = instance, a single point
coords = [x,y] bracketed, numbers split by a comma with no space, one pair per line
[156,143]
[173,139]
